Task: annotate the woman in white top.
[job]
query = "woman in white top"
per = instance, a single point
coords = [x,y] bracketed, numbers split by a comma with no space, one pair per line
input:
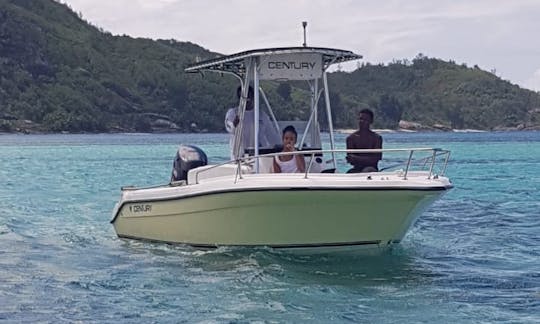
[289,163]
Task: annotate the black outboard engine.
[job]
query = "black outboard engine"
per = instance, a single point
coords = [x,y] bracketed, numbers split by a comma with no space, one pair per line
[187,157]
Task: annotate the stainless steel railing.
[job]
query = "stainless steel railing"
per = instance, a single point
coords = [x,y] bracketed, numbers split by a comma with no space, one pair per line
[432,157]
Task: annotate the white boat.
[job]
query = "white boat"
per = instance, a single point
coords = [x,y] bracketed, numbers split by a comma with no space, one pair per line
[242,203]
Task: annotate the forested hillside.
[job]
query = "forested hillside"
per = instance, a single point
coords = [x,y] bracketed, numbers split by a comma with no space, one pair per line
[438,93]
[60,73]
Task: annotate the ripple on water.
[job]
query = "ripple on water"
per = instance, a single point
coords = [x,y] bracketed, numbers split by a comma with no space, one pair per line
[472,257]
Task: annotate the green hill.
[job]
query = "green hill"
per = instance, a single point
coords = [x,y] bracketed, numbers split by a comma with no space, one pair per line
[434,92]
[60,73]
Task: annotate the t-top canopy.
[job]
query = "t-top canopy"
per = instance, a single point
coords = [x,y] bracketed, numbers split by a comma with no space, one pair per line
[313,58]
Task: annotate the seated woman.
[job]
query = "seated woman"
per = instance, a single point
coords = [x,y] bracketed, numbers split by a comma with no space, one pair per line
[289,163]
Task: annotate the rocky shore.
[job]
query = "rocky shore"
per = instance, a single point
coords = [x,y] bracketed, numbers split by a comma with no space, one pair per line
[165,126]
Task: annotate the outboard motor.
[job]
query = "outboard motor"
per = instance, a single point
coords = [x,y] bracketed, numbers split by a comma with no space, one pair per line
[187,157]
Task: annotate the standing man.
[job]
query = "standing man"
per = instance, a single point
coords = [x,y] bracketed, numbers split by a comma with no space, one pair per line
[364,138]
[268,135]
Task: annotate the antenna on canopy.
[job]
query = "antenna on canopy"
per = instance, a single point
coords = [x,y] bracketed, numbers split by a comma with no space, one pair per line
[304,25]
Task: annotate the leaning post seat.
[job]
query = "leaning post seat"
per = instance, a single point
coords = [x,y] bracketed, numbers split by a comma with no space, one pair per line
[266,162]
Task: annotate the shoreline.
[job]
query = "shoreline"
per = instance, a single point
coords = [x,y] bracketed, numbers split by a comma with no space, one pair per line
[344,131]
[404,130]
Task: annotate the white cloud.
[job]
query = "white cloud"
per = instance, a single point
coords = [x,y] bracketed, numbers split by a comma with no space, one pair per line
[534,81]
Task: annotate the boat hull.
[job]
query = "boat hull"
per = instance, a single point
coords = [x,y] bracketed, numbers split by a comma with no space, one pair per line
[293,218]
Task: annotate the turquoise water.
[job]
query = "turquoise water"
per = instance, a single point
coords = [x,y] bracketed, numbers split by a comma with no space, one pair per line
[473,257]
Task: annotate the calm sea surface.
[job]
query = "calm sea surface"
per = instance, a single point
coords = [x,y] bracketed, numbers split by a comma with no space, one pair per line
[473,257]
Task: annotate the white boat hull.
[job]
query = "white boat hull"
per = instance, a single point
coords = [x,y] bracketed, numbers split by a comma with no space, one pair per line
[310,214]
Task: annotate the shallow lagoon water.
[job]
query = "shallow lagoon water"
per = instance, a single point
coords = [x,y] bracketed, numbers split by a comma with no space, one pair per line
[474,256]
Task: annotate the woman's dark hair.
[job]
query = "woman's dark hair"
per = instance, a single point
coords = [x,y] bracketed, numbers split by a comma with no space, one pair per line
[291,129]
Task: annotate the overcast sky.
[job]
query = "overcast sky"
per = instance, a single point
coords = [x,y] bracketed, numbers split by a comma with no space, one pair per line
[499,35]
